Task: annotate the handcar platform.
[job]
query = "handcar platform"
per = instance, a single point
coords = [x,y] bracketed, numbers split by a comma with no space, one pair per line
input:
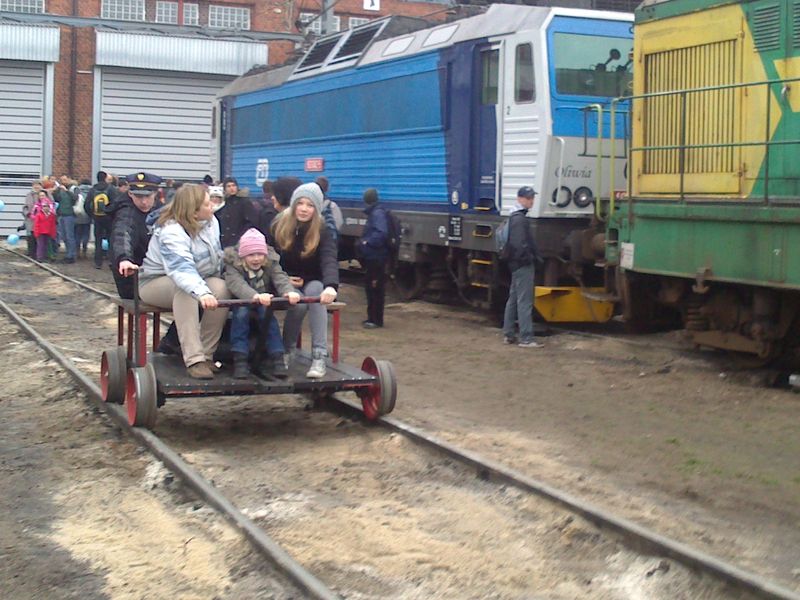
[173,382]
[143,380]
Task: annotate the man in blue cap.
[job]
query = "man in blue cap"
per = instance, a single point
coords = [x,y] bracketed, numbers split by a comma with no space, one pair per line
[130,235]
[522,258]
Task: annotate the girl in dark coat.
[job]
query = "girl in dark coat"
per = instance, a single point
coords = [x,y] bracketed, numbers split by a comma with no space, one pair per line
[308,255]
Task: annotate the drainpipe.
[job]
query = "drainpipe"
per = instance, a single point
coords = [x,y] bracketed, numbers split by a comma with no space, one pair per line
[73,82]
[180,12]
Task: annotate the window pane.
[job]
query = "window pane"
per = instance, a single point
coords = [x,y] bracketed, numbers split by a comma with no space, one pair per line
[356,21]
[591,65]
[166,12]
[126,10]
[523,75]
[490,65]
[23,6]
[228,17]
[191,14]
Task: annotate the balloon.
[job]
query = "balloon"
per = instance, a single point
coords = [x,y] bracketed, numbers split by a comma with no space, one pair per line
[2,206]
[13,239]
[104,245]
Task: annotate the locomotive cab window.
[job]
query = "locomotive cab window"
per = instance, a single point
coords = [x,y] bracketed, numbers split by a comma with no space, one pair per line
[524,89]
[592,65]
[490,66]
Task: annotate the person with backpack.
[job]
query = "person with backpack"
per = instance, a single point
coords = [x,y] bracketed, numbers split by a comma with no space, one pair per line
[330,210]
[374,251]
[83,223]
[97,200]
[521,253]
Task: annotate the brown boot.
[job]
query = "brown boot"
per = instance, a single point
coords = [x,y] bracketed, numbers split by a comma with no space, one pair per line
[200,371]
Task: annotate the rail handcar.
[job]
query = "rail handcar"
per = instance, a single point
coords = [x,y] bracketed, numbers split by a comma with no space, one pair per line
[712,226]
[448,122]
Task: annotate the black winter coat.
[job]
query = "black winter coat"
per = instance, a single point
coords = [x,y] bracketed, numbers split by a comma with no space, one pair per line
[521,245]
[237,216]
[129,233]
[321,266]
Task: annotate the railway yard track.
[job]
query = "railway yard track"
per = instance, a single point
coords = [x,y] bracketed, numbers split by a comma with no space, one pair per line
[388,511]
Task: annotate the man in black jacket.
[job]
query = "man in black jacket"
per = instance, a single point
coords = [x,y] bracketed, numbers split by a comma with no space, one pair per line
[522,257]
[237,213]
[129,233]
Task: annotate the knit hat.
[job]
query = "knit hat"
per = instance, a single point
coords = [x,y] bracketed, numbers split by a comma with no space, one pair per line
[370,197]
[216,190]
[310,191]
[252,242]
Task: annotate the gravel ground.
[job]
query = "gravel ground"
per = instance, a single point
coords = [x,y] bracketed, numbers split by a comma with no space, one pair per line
[664,436]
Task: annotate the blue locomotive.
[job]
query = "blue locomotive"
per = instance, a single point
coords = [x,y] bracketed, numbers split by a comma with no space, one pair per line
[447,122]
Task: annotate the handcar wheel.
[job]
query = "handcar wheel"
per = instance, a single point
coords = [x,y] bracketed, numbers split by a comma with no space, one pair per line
[113,375]
[141,396]
[379,398]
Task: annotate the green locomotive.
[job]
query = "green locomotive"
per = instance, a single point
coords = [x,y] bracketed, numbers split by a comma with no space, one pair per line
[709,227]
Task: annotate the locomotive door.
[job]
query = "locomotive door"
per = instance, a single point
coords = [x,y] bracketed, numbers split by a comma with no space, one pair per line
[486,69]
[524,129]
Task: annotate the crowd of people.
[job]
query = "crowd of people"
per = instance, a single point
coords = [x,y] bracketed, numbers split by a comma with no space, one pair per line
[195,244]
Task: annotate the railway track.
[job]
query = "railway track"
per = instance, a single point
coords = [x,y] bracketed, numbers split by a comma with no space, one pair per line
[377,515]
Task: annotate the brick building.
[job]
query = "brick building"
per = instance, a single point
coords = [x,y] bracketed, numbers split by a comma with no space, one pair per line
[123,85]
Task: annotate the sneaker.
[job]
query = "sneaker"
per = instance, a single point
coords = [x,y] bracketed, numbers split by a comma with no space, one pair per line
[369,325]
[279,367]
[509,340]
[531,344]
[200,371]
[318,369]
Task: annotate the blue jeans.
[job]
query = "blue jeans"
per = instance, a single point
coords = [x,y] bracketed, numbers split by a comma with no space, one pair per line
[317,319]
[240,331]
[82,231]
[519,307]
[66,227]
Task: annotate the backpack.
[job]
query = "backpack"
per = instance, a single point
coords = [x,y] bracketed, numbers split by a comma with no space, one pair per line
[99,203]
[501,240]
[394,233]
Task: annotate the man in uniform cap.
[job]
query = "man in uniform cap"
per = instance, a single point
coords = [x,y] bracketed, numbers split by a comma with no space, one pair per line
[522,258]
[129,232]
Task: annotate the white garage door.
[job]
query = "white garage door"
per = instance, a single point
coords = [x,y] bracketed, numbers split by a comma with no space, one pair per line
[22,112]
[156,121]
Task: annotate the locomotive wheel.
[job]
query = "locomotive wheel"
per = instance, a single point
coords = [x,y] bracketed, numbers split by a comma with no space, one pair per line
[113,375]
[410,279]
[141,396]
[379,398]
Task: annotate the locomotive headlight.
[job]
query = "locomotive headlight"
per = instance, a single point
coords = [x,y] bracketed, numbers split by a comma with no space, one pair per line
[582,197]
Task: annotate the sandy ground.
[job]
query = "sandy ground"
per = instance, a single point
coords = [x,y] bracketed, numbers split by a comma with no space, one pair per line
[86,514]
[668,437]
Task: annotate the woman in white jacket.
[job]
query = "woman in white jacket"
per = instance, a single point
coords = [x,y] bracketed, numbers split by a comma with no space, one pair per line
[181,269]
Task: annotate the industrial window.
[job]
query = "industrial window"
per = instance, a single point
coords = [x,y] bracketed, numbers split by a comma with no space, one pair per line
[228,17]
[356,21]
[167,12]
[524,89]
[490,69]
[22,6]
[124,10]
[316,24]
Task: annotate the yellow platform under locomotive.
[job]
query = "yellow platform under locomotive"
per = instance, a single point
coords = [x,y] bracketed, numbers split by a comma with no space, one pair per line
[565,304]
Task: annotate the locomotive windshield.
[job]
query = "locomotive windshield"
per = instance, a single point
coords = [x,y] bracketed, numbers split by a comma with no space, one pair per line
[590,65]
